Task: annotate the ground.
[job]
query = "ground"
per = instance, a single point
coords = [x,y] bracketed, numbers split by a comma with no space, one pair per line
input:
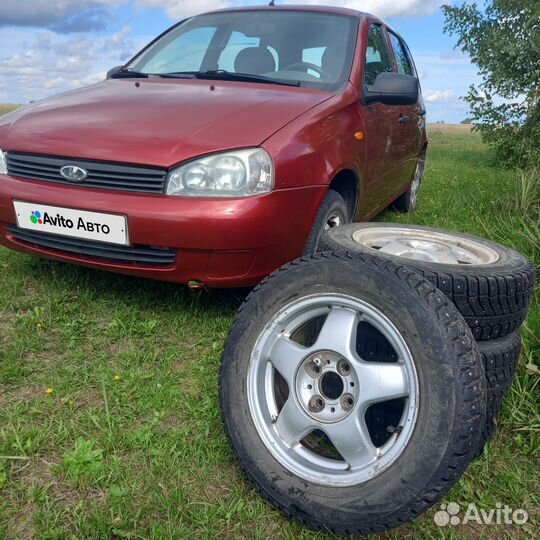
[5,108]
[109,420]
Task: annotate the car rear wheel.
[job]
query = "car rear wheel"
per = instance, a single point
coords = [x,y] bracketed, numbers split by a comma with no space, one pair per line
[329,429]
[408,201]
[490,284]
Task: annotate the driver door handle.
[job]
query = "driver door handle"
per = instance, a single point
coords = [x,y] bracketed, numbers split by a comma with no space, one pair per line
[404,120]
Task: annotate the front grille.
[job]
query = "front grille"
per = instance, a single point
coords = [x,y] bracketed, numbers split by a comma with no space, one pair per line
[89,250]
[113,176]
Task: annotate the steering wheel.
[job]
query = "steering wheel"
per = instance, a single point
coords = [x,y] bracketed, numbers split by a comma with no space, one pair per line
[306,66]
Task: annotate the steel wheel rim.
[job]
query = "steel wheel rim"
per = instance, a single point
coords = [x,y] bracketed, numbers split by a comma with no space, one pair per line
[430,246]
[283,430]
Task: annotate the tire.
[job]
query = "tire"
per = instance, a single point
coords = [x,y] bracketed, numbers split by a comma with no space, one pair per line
[434,448]
[494,298]
[408,201]
[500,358]
[332,212]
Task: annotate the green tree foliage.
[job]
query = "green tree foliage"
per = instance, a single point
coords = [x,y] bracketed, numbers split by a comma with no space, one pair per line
[502,37]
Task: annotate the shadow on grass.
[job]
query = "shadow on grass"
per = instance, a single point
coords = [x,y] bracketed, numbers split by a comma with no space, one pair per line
[138,293]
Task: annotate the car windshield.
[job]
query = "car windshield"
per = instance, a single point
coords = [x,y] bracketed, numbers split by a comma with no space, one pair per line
[308,49]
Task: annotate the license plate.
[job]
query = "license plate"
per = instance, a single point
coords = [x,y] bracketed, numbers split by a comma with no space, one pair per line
[69,222]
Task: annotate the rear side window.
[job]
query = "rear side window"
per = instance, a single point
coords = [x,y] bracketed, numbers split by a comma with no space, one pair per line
[378,57]
[403,59]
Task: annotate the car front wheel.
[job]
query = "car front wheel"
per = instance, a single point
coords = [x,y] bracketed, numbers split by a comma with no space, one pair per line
[332,213]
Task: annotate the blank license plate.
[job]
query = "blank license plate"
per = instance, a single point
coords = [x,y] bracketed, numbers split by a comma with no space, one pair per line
[109,228]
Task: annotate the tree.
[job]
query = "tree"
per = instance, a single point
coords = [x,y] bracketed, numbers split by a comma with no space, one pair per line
[503,40]
[466,121]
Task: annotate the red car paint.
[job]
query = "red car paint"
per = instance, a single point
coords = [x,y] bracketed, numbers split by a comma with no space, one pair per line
[311,135]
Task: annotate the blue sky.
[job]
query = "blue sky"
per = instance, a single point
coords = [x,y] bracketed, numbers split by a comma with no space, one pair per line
[50,46]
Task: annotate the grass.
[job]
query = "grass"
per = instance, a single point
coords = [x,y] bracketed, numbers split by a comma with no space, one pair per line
[7,107]
[109,419]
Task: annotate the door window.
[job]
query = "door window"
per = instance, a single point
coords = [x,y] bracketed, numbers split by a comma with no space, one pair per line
[378,58]
[403,60]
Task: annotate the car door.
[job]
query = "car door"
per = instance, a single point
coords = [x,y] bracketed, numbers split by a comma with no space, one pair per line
[411,117]
[382,130]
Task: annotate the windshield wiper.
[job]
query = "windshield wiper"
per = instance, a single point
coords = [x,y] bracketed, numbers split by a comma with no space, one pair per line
[176,75]
[224,75]
[128,74]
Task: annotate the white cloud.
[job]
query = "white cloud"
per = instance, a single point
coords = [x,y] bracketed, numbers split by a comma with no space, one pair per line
[58,15]
[394,8]
[50,63]
[176,9]
[439,96]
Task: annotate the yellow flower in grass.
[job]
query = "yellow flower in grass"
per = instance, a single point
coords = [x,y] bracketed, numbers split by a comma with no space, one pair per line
[50,391]
[117,378]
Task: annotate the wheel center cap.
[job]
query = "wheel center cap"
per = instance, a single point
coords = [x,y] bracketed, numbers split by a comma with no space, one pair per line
[326,386]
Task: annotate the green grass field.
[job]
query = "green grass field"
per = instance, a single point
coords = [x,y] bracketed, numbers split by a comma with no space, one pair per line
[109,419]
[6,108]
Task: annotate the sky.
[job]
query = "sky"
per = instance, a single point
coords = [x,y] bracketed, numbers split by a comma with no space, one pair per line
[50,46]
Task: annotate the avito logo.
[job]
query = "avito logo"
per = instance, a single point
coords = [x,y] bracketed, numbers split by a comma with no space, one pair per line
[35,218]
[60,221]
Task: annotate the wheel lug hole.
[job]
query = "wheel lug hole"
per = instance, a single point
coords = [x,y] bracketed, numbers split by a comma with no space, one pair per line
[344,368]
[313,369]
[347,402]
[316,404]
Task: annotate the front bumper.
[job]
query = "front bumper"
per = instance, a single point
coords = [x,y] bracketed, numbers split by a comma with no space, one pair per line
[219,242]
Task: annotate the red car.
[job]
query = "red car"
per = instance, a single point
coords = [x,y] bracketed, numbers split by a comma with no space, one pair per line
[222,150]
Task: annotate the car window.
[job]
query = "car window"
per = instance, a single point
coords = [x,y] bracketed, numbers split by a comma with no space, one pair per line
[378,58]
[314,55]
[282,45]
[403,61]
[184,52]
[237,43]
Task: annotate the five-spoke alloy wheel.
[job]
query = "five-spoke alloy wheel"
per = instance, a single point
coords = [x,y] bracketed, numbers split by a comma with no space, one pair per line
[329,388]
[352,392]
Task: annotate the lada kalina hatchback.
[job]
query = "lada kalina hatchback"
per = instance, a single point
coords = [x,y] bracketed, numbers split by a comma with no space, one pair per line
[222,150]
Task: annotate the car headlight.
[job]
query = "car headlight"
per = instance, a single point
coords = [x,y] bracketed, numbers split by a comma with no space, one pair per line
[241,173]
[3,163]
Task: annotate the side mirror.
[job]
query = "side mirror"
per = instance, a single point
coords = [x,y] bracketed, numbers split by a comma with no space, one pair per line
[112,71]
[392,89]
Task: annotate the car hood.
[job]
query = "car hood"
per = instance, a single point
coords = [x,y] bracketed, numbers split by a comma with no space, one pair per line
[156,122]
